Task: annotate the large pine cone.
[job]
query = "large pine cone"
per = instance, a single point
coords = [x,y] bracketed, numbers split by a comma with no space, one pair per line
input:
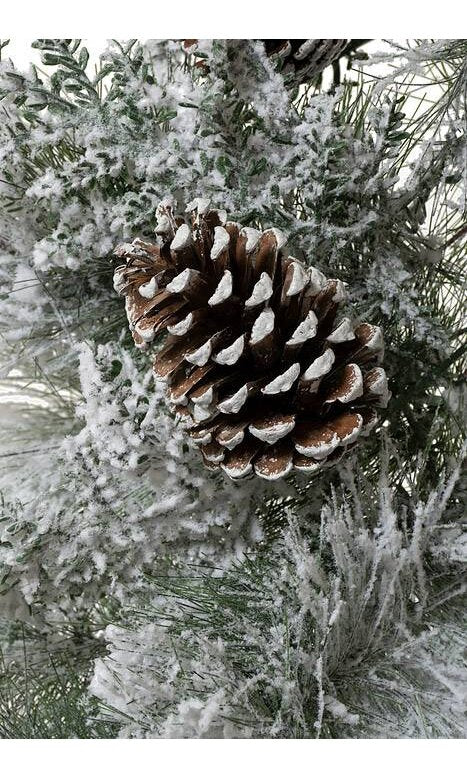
[254,360]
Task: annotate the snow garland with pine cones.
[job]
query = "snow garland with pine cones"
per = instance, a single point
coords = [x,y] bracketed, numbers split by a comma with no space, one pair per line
[255,362]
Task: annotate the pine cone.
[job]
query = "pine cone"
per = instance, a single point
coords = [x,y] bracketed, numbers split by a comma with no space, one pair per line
[254,359]
[303,60]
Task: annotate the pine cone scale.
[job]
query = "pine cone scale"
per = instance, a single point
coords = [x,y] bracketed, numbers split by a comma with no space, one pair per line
[276,462]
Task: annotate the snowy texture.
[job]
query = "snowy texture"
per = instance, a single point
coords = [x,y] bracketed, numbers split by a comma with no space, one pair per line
[283,382]
[344,638]
[296,610]
[115,497]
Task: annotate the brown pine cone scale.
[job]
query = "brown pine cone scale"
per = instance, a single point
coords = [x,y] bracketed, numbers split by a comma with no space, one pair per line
[265,375]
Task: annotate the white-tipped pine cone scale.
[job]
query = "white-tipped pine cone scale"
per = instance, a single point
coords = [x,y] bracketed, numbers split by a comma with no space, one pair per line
[257,361]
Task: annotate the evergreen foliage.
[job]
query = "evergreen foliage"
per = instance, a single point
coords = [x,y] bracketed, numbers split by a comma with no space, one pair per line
[140,595]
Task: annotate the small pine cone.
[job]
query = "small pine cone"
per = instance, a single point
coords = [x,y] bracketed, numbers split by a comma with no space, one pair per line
[305,59]
[254,360]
